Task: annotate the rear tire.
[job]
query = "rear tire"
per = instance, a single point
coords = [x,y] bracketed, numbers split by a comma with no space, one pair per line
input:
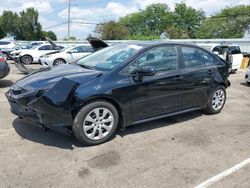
[96,123]
[216,101]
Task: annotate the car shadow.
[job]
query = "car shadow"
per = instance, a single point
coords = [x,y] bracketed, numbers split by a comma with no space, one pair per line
[5,83]
[54,139]
[245,84]
[169,121]
[48,137]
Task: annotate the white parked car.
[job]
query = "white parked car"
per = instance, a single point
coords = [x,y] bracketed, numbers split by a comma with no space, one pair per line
[231,49]
[7,44]
[247,77]
[7,47]
[66,56]
[28,56]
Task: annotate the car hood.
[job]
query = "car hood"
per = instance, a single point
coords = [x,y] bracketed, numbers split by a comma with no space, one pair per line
[97,43]
[46,78]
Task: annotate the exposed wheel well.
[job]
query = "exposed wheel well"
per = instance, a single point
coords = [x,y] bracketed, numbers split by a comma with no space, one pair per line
[5,54]
[116,105]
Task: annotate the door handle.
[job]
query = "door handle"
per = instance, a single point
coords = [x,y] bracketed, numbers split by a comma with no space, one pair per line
[178,77]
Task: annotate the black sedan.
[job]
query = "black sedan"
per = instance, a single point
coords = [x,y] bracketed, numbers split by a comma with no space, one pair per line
[121,85]
[4,67]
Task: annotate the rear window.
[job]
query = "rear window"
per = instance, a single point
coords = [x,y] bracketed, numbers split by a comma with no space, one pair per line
[235,50]
[4,43]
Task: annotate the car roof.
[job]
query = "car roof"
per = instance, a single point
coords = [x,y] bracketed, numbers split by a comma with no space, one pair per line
[158,42]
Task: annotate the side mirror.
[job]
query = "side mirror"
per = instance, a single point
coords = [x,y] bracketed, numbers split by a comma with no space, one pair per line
[72,51]
[144,71]
[217,53]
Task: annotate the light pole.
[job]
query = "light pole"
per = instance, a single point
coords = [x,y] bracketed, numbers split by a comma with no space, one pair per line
[69,19]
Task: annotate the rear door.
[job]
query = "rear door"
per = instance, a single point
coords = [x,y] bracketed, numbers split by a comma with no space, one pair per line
[197,70]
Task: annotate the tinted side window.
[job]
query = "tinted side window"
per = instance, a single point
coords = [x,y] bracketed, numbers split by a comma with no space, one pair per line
[46,47]
[235,49]
[208,59]
[4,43]
[82,49]
[192,57]
[161,58]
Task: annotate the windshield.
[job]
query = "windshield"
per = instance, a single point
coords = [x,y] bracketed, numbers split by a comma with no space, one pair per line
[110,57]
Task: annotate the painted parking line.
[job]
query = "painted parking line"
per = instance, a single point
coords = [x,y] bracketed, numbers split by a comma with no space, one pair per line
[223,174]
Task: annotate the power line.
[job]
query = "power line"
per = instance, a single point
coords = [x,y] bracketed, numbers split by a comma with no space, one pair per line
[55,25]
[85,23]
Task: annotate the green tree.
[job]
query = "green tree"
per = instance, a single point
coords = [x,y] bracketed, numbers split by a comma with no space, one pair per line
[111,30]
[30,28]
[49,34]
[231,22]
[185,21]
[148,23]
[23,26]
[10,23]
[2,33]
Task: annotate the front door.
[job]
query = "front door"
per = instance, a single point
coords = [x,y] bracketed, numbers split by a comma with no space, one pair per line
[158,94]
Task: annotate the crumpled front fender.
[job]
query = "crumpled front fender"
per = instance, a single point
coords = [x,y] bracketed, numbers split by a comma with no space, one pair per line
[54,106]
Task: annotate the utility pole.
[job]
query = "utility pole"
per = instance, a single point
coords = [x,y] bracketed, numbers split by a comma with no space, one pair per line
[69,19]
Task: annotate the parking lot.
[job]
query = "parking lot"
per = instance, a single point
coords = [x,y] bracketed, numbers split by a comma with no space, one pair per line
[180,151]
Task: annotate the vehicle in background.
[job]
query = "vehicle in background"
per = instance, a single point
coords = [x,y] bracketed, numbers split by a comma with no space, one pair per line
[7,44]
[233,51]
[7,47]
[28,56]
[37,43]
[4,67]
[247,76]
[65,56]
[121,85]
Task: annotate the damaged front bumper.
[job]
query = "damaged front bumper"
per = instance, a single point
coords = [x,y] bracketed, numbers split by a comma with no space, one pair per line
[45,108]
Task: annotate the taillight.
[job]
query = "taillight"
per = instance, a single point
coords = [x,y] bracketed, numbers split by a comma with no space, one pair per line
[2,59]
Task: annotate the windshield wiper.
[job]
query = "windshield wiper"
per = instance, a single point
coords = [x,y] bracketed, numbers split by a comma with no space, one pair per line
[86,66]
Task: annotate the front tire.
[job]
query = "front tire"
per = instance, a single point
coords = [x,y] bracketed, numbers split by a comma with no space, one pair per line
[96,123]
[59,62]
[5,55]
[216,101]
[26,59]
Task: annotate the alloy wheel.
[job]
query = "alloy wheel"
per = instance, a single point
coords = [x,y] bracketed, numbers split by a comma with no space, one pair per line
[218,99]
[98,123]
[59,62]
[26,59]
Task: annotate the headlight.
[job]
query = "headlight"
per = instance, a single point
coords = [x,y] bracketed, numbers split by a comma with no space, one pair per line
[16,54]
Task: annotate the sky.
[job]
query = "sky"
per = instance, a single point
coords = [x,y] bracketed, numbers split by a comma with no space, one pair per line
[53,12]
